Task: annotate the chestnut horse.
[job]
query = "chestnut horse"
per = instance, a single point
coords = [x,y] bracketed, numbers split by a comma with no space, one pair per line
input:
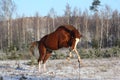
[63,36]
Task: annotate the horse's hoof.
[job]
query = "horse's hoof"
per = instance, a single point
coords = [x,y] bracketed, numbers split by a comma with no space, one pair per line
[68,58]
[70,55]
[80,62]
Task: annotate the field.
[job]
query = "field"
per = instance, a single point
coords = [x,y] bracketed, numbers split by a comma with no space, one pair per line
[92,69]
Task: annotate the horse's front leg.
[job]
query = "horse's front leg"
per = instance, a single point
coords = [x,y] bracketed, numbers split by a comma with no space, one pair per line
[74,45]
[79,59]
[69,56]
[76,42]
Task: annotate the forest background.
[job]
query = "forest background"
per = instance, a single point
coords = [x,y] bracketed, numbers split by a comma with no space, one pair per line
[100,29]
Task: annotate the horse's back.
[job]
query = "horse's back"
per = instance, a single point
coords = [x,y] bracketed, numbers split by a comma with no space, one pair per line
[57,39]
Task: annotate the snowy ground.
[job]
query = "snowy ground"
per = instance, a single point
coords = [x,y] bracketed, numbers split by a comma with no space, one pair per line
[92,69]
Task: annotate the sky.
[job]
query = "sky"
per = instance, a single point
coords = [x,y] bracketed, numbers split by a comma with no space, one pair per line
[31,7]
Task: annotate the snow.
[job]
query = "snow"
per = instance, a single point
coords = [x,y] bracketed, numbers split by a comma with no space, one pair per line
[91,69]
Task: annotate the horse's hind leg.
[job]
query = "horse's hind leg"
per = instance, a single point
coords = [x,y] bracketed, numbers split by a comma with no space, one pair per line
[42,52]
[48,54]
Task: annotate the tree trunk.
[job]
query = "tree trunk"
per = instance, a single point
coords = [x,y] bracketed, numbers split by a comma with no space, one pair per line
[8,29]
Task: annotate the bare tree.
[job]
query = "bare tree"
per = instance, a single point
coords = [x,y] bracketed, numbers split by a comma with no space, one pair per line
[7,7]
[68,13]
[115,29]
[36,26]
[52,15]
[75,17]
[86,30]
[107,17]
[102,27]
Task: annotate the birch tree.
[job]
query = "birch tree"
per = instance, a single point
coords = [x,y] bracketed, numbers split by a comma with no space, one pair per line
[52,14]
[7,8]
[68,13]
[37,26]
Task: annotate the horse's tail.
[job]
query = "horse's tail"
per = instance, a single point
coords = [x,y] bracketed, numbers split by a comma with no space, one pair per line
[33,47]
